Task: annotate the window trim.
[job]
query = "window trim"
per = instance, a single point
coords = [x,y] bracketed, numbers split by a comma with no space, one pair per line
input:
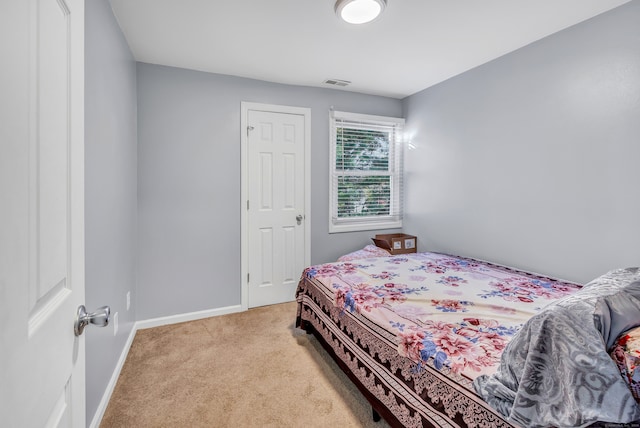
[396,151]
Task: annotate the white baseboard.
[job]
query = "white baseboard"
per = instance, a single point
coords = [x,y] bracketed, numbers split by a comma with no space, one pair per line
[191,316]
[102,407]
[141,325]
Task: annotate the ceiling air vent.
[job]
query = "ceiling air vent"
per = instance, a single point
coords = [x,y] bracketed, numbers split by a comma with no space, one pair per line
[337,82]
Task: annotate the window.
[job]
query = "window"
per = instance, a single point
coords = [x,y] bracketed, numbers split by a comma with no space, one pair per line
[366,172]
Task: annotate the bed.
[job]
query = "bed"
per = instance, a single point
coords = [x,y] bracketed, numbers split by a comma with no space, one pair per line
[423,336]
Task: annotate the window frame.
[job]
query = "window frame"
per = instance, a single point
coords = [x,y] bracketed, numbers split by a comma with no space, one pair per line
[395,171]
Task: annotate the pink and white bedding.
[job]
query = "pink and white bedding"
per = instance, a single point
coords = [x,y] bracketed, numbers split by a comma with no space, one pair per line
[415,330]
[368,252]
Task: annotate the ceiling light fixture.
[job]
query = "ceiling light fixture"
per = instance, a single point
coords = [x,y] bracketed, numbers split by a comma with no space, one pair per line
[359,11]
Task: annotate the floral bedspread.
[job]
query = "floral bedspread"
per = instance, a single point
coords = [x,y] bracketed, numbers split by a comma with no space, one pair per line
[453,313]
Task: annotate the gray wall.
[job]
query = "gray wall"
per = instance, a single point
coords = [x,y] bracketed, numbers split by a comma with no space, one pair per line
[111,193]
[189,182]
[533,159]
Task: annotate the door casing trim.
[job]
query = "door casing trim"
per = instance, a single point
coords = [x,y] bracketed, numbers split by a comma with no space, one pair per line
[244,190]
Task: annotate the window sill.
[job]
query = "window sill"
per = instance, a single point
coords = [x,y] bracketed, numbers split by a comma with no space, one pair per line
[364,225]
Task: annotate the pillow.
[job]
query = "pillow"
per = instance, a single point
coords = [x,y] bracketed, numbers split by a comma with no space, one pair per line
[626,354]
[366,253]
[617,307]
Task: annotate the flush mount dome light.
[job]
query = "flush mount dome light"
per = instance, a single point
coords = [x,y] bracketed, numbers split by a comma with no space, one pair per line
[359,11]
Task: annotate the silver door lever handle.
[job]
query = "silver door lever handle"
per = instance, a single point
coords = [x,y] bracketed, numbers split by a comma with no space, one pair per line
[99,318]
[299,218]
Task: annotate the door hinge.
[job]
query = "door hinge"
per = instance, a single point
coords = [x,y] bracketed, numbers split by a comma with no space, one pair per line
[247,204]
[247,278]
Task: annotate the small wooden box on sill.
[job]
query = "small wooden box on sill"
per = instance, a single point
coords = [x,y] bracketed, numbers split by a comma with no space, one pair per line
[396,243]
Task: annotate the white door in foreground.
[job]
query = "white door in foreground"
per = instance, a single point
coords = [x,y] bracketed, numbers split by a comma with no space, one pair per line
[276,205]
[41,213]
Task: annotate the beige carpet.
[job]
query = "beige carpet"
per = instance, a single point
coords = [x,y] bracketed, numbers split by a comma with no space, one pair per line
[250,369]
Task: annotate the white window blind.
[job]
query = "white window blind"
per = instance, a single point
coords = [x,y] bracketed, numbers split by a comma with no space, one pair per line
[366,172]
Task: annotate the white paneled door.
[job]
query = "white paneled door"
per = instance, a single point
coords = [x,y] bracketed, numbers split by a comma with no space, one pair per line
[41,213]
[277,221]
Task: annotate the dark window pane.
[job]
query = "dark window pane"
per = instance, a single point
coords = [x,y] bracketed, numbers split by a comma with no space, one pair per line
[364,196]
[362,150]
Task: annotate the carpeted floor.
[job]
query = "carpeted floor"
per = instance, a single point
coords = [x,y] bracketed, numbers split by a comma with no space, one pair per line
[250,369]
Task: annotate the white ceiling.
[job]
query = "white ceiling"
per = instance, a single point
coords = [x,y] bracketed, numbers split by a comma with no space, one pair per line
[413,45]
